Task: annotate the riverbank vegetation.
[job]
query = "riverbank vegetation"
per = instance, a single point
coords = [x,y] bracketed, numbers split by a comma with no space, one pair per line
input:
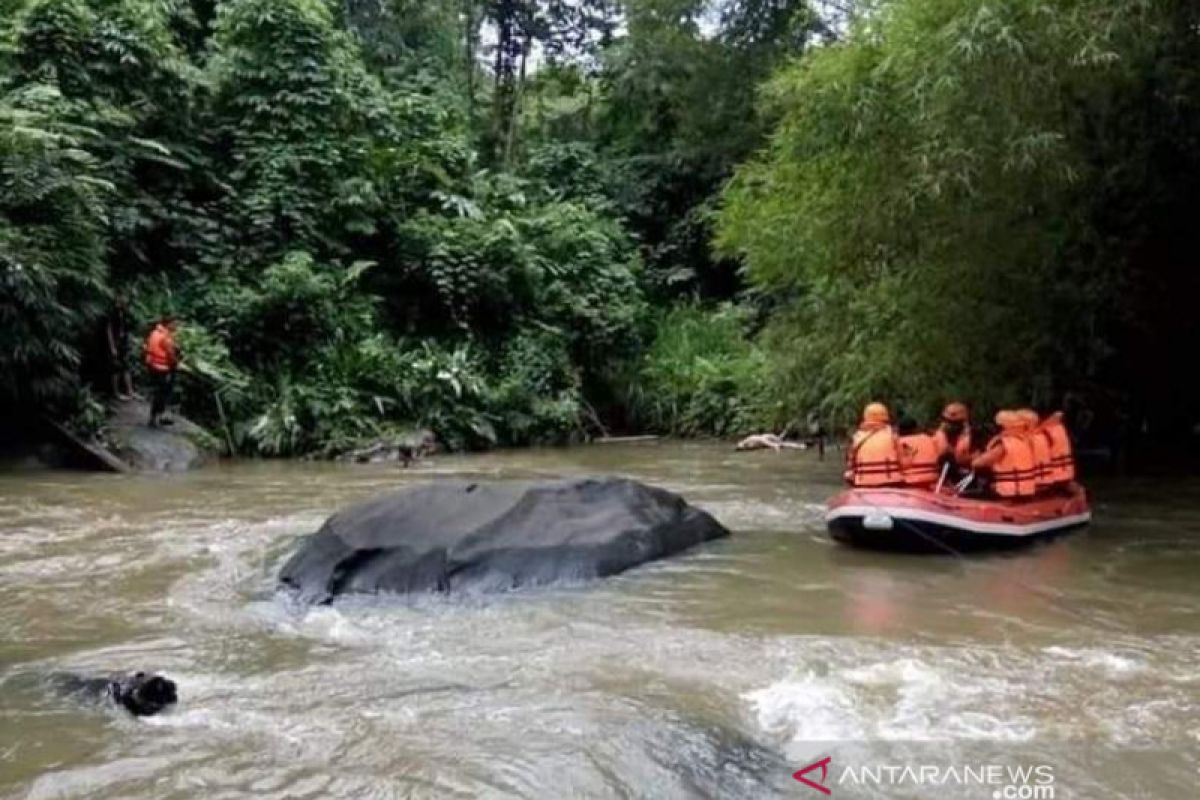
[522,222]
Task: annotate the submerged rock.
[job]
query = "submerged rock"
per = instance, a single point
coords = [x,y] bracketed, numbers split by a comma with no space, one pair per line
[141,694]
[455,536]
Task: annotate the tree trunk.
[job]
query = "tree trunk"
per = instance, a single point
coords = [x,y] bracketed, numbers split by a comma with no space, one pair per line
[470,47]
[514,112]
[508,50]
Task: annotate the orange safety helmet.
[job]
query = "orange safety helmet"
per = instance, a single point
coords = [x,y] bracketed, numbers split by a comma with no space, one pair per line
[955,412]
[876,413]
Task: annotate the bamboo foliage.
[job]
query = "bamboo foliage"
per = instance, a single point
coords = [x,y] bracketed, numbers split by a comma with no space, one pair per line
[929,200]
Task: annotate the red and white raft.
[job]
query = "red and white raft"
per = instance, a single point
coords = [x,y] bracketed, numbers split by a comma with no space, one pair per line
[921,520]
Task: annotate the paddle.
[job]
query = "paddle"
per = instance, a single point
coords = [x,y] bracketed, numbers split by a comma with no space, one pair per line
[942,479]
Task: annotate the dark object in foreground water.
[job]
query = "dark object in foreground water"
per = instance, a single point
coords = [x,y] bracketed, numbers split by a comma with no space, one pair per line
[140,694]
[459,536]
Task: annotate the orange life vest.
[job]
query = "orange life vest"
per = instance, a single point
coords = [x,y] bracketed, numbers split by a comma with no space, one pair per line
[874,460]
[160,351]
[920,464]
[1015,474]
[1041,457]
[1061,467]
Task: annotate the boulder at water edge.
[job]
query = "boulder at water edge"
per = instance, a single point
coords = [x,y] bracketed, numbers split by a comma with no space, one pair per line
[455,536]
[179,447]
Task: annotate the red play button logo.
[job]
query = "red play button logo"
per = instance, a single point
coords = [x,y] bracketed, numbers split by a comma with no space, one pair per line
[823,764]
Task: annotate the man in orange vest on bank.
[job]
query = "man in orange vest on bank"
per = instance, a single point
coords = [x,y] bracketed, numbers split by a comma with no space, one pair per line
[874,455]
[1010,459]
[162,359]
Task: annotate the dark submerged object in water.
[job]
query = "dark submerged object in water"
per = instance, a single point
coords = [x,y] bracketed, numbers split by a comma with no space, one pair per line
[141,694]
[457,535]
[404,450]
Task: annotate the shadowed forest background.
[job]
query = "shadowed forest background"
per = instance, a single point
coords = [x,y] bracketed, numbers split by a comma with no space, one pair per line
[530,222]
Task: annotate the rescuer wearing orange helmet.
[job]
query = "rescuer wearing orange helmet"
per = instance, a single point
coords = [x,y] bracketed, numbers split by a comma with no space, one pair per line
[874,455]
[162,358]
[953,435]
[1010,459]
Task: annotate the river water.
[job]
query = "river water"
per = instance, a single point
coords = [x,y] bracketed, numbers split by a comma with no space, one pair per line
[715,674]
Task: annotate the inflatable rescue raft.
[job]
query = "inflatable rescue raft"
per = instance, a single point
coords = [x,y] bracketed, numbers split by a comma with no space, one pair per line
[925,521]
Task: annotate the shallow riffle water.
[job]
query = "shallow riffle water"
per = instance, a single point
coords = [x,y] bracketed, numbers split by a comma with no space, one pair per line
[715,674]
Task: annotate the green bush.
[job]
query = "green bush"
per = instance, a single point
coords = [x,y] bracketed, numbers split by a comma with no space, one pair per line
[293,107]
[537,394]
[300,416]
[700,376]
[53,280]
[971,198]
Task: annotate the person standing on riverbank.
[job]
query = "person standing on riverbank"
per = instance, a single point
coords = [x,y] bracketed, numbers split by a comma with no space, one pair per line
[162,360]
[116,331]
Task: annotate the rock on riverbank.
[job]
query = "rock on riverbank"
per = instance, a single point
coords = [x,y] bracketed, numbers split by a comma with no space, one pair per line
[174,448]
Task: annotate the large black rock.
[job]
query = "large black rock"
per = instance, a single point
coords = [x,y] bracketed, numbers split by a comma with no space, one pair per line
[461,536]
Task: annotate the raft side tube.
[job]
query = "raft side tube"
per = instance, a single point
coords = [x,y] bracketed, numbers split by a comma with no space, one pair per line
[919,520]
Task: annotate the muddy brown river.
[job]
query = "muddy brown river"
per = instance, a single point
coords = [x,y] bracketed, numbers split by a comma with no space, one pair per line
[1067,671]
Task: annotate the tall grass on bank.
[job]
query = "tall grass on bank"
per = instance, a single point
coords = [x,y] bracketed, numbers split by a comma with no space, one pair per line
[701,375]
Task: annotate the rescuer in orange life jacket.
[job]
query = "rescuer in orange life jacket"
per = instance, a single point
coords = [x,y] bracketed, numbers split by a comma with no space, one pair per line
[873,458]
[1040,444]
[1060,471]
[953,438]
[919,455]
[162,358]
[1010,459]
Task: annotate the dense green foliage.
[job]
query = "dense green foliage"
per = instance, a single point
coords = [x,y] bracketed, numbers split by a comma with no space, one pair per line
[982,198]
[51,243]
[496,218]
[700,375]
[342,264]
